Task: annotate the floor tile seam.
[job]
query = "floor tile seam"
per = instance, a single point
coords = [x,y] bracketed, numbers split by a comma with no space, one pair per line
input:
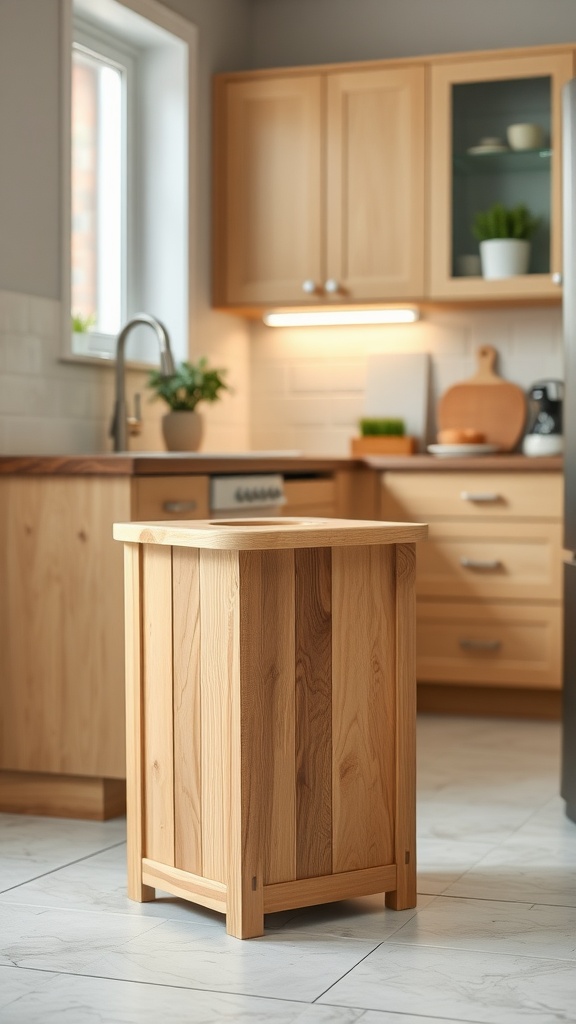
[406,1013]
[61,867]
[154,921]
[349,971]
[569,961]
[491,899]
[159,984]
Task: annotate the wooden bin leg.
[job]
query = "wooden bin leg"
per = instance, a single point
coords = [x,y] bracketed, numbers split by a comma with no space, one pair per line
[404,896]
[134,733]
[245,905]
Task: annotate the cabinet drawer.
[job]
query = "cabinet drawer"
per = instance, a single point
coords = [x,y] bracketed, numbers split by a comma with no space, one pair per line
[417,497]
[310,497]
[170,497]
[509,645]
[491,560]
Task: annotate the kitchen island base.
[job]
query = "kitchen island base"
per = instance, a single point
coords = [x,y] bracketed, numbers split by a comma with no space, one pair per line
[271,702]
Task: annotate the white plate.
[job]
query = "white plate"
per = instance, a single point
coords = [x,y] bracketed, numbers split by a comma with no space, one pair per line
[478,150]
[453,450]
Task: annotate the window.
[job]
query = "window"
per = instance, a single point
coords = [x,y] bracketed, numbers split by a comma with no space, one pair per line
[130,181]
[100,87]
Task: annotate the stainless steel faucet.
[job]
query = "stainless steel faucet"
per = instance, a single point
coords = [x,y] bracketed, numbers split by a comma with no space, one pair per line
[118,427]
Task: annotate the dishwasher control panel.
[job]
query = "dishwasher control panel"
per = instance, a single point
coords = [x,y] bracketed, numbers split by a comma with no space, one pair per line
[253,492]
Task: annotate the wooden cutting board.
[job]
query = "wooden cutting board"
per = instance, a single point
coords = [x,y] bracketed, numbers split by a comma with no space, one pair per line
[487,403]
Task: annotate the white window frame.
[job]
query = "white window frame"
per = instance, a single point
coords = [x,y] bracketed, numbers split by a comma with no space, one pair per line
[187,32]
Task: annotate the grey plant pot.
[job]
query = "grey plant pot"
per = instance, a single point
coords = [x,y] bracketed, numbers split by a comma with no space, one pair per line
[182,430]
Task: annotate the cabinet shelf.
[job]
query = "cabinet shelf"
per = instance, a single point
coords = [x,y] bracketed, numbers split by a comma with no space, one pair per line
[509,162]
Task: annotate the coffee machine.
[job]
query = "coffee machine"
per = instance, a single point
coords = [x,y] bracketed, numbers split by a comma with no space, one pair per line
[544,433]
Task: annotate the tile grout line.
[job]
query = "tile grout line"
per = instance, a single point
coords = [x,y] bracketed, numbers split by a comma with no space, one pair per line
[61,867]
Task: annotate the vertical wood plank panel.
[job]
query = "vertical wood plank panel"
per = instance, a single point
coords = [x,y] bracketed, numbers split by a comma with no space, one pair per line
[134,723]
[158,704]
[187,711]
[219,666]
[313,654]
[363,681]
[405,773]
[279,711]
[248,779]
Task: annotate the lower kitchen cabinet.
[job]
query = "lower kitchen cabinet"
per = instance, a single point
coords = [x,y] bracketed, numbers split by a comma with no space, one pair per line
[489,604]
[62,746]
[62,718]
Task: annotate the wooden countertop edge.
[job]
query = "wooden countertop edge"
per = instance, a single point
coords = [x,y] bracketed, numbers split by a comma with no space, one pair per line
[161,464]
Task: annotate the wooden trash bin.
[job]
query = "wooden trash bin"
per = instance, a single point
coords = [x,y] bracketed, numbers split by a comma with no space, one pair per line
[271,706]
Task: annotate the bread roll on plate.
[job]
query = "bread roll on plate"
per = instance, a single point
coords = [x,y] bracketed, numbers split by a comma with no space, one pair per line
[465,435]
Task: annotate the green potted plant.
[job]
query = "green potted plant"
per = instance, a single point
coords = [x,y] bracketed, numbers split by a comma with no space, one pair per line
[504,234]
[183,391]
[382,436]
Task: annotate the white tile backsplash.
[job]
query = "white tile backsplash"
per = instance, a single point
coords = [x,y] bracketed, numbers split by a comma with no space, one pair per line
[49,406]
[329,365]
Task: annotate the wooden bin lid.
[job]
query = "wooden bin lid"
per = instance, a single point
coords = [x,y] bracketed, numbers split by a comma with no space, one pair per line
[259,534]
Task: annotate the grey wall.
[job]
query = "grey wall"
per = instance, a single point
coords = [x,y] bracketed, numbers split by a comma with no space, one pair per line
[291,32]
[30,148]
[30,130]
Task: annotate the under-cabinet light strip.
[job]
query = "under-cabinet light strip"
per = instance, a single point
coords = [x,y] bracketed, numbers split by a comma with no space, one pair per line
[339,318]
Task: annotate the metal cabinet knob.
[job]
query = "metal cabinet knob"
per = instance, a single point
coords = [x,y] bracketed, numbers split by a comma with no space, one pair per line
[180,506]
[309,286]
[557,278]
[480,497]
[331,286]
[481,564]
[480,645]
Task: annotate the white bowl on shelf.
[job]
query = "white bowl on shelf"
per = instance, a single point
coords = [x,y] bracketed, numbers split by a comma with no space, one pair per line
[525,136]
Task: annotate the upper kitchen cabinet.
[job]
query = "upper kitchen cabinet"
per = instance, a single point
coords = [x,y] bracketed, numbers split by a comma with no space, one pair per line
[319,187]
[473,101]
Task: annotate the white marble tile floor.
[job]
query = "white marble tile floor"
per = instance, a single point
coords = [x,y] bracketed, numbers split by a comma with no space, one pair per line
[492,941]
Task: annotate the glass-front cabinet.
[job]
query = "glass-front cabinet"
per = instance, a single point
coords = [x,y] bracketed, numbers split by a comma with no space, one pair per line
[478,162]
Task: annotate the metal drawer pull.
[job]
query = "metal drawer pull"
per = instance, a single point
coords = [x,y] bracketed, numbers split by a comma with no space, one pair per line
[478,496]
[477,563]
[480,645]
[180,506]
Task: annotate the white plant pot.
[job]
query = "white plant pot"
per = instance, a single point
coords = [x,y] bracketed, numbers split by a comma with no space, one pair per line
[182,430]
[504,257]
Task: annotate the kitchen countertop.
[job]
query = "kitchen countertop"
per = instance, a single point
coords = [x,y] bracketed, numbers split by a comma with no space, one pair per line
[179,463]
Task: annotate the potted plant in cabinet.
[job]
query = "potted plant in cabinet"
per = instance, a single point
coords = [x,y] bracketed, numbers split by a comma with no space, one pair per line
[504,235]
[192,383]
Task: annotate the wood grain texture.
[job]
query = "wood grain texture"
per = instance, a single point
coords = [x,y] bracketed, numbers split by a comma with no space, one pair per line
[184,883]
[135,828]
[271,238]
[276,533]
[62,796]
[404,799]
[158,705]
[485,402]
[276,659]
[313,652]
[492,645]
[249,778]
[375,133]
[363,706]
[447,493]
[305,892]
[187,710]
[61,626]
[219,670]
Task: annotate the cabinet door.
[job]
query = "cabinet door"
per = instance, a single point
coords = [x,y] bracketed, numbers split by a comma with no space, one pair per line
[375,183]
[268,203]
[472,167]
